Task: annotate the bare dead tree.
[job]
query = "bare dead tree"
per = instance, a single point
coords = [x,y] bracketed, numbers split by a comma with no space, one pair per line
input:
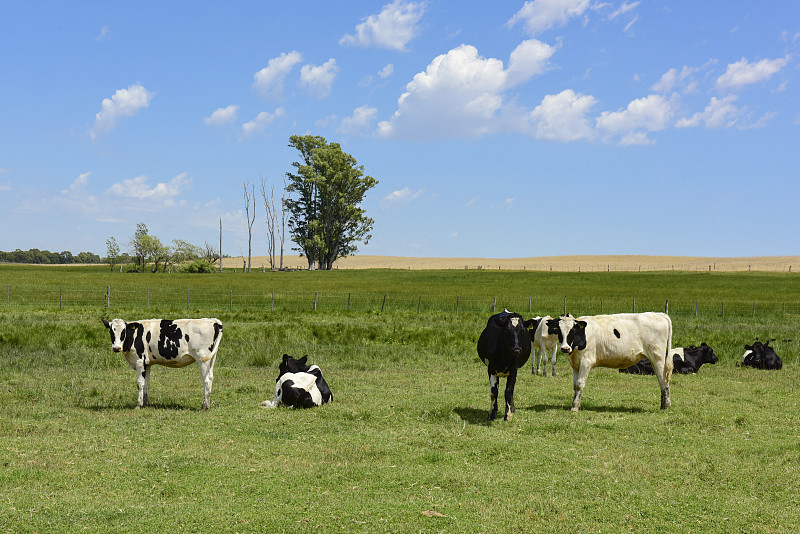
[248,196]
[269,207]
[211,254]
[283,219]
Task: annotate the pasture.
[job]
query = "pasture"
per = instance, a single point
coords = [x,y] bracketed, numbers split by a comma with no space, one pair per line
[405,446]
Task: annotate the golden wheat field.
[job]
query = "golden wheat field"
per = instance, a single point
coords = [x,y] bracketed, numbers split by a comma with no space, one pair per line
[545,263]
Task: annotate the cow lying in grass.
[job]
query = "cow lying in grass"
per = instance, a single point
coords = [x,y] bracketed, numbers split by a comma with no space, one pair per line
[761,356]
[684,360]
[299,385]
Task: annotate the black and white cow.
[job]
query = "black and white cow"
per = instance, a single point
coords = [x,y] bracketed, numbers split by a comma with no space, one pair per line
[684,360]
[617,341]
[175,343]
[504,346]
[761,356]
[545,339]
[299,385]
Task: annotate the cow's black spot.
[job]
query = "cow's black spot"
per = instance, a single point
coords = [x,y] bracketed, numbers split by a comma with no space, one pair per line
[217,331]
[149,336]
[186,337]
[169,339]
[132,338]
[616,333]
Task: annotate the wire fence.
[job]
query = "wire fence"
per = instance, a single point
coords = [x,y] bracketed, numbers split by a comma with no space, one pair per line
[215,300]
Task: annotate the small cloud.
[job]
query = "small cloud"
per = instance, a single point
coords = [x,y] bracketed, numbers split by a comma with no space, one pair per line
[4,171]
[719,113]
[361,120]
[400,197]
[138,188]
[386,71]
[258,124]
[540,15]
[269,81]
[393,28]
[472,201]
[454,235]
[624,8]
[124,103]
[222,116]
[317,80]
[103,33]
[78,186]
[744,73]
[649,114]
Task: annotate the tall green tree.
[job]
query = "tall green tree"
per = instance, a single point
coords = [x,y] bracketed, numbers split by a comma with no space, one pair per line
[112,249]
[326,218]
[140,245]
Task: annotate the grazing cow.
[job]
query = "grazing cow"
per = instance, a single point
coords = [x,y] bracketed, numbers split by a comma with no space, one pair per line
[761,356]
[170,343]
[617,341]
[684,360]
[299,385]
[504,346]
[545,339]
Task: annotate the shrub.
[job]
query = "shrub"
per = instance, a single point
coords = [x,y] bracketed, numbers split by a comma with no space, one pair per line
[199,266]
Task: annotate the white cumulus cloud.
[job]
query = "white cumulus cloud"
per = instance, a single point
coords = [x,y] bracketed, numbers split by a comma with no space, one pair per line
[460,93]
[270,80]
[401,196]
[260,122]
[648,114]
[78,186]
[744,73]
[393,28]
[123,103]
[540,15]
[360,121]
[317,80]
[222,116]
[138,188]
[562,117]
[719,113]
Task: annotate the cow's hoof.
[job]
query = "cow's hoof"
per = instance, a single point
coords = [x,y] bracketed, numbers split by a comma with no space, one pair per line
[574,408]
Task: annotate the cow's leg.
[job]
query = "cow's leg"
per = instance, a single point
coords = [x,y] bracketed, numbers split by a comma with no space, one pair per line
[141,381]
[510,383]
[579,381]
[493,380]
[555,350]
[663,373]
[146,396]
[207,373]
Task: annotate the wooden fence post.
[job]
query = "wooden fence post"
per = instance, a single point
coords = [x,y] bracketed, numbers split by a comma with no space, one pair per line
[754,308]
[601,305]
[723,308]
[666,308]
[494,303]
[315,300]
[695,308]
[456,304]
[419,301]
[273,300]
[108,296]
[60,296]
[348,302]
[384,302]
[634,304]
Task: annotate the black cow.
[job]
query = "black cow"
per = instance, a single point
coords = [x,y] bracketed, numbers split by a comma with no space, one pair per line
[761,356]
[684,360]
[299,385]
[504,346]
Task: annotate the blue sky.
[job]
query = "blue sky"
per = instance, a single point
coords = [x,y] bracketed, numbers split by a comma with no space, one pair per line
[495,129]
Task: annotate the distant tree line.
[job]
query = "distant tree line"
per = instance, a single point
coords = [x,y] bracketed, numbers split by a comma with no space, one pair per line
[148,252]
[46,257]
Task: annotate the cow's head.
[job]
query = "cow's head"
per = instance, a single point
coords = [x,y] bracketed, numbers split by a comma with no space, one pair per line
[571,332]
[119,334]
[532,325]
[293,365]
[514,330]
[707,354]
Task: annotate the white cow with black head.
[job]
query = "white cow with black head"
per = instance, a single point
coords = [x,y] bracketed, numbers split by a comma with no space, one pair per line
[617,341]
[171,343]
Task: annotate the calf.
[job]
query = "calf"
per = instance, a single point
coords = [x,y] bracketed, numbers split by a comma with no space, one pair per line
[761,356]
[169,343]
[617,341]
[545,339]
[504,346]
[684,360]
[299,385]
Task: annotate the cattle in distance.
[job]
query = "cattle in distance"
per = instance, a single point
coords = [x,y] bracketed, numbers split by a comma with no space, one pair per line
[299,385]
[171,343]
[504,346]
[761,356]
[686,360]
[617,341]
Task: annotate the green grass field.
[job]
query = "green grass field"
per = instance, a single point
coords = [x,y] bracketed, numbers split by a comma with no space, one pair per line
[405,446]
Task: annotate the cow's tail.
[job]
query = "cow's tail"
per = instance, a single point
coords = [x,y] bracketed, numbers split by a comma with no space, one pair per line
[217,339]
[668,363]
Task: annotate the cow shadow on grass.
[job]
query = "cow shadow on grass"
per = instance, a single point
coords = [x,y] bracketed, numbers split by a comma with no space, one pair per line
[474,416]
[584,408]
[162,406]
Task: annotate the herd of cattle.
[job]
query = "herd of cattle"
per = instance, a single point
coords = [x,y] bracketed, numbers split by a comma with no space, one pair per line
[638,343]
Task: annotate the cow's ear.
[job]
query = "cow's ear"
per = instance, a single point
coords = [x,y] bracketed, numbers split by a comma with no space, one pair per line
[286,358]
[581,324]
[108,325]
[303,360]
[131,326]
